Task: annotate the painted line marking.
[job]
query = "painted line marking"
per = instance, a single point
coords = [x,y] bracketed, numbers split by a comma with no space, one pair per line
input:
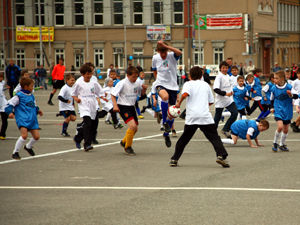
[151,188]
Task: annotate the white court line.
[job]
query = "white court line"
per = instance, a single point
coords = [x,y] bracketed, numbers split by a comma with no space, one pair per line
[151,188]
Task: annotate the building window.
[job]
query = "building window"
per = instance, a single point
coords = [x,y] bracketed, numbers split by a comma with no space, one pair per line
[158,12]
[79,57]
[59,12]
[118,12]
[79,12]
[2,62]
[59,53]
[137,12]
[42,12]
[198,57]
[288,18]
[38,59]
[20,11]
[178,12]
[99,57]
[181,59]
[137,54]
[20,54]
[119,57]
[98,12]
[218,55]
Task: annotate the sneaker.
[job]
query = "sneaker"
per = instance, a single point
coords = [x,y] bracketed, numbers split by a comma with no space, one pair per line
[88,148]
[119,125]
[227,134]
[2,138]
[222,162]
[284,148]
[77,144]
[122,144]
[95,142]
[50,103]
[275,147]
[162,129]
[295,129]
[293,125]
[129,151]
[108,122]
[29,150]
[174,134]
[16,156]
[167,127]
[144,109]
[173,163]
[168,141]
[141,117]
[65,134]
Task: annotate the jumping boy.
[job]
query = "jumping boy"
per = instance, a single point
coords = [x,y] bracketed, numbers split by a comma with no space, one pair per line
[164,66]
[198,93]
[127,91]
[25,111]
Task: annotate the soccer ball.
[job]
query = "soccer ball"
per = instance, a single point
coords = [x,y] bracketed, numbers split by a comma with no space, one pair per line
[173,112]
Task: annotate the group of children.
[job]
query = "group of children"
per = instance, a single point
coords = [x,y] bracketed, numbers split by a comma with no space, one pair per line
[121,97]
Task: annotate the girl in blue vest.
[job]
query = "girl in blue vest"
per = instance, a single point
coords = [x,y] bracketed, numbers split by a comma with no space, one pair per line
[25,110]
[246,129]
[283,109]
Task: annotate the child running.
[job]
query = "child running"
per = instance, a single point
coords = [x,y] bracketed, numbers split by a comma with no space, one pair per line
[255,93]
[241,96]
[66,104]
[127,91]
[25,110]
[3,103]
[283,110]
[247,129]
[296,87]
[198,93]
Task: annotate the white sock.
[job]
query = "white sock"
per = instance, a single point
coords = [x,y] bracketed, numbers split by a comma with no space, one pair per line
[244,117]
[276,137]
[30,143]
[227,141]
[150,111]
[108,116]
[20,142]
[283,138]
[226,114]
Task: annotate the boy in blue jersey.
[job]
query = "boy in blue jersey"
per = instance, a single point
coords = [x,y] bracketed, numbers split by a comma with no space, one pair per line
[255,93]
[241,96]
[246,129]
[25,111]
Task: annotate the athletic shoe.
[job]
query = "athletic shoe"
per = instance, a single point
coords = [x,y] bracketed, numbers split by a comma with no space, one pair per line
[88,148]
[129,151]
[222,162]
[95,142]
[77,144]
[162,129]
[173,163]
[16,156]
[50,103]
[227,134]
[174,134]
[65,134]
[108,122]
[144,109]
[168,141]
[141,117]
[293,125]
[275,147]
[122,144]
[2,138]
[119,125]
[284,148]
[167,127]
[29,150]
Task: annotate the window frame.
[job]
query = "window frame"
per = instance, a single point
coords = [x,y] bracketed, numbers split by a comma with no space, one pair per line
[19,14]
[42,2]
[178,13]
[98,13]
[57,2]
[2,61]
[120,57]
[117,13]
[78,13]
[99,52]
[20,55]
[161,13]
[200,56]
[137,13]
[138,52]
[80,57]
[218,51]
[58,53]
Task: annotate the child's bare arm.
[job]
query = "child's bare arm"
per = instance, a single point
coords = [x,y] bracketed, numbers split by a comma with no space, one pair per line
[114,100]
[183,96]
[250,142]
[256,141]
[175,50]
[76,99]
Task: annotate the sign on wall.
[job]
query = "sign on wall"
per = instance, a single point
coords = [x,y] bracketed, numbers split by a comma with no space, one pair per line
[219,21]
[155,33]
[32,34]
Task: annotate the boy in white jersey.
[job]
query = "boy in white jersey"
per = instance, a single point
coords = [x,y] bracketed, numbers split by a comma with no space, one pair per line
[164,66]
[198,93]
[296,87]
[66,104]
[85,93]
[127,91]
[224,99]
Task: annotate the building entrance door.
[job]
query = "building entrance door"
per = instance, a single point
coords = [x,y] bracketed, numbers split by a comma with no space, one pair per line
[267,44]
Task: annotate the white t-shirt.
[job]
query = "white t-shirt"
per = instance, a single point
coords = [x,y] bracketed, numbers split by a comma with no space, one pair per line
[223,83]
[87,92]
[18,88]
[107,105]
[296,85]
[127,92]
[233,80]
[93,79]
[3,101]
[166,71]
[66,92]
[197,105]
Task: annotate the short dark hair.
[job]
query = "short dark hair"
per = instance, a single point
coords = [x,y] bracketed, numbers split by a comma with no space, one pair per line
[25,81]
[23,72]
[298,70]
[1,74]
[131,70]
[234,67]
[160,48]
[91,64]
[112,71]
[196,73]
[69,76]
[223,63]
[85,68]
[265,123]
[61,59]
[240,77]
[258,70]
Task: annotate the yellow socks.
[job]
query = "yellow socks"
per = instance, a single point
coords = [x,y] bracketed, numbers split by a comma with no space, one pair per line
[128,138]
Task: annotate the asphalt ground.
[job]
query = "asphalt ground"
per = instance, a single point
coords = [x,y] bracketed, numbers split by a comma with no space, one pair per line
[63,185]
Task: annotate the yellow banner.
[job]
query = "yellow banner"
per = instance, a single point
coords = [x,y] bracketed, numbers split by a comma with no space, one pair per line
[32,34]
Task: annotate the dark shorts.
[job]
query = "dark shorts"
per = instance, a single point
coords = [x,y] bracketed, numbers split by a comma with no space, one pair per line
[58,84]
[172,94]
[67,113]
[285,122]
[128,113]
